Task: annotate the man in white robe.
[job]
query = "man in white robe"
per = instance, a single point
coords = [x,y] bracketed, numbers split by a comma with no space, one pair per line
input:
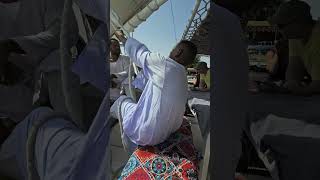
[119,69]
[160,109]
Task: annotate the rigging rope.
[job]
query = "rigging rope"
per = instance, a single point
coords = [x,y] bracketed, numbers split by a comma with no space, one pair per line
[174,24]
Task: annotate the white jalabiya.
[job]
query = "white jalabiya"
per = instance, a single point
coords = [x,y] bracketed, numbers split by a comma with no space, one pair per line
[160,109]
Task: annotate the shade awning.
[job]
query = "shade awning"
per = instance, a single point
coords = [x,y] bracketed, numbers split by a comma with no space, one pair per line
[129,14]
[260,26]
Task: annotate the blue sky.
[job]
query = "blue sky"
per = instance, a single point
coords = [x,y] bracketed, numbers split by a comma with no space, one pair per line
[157,33]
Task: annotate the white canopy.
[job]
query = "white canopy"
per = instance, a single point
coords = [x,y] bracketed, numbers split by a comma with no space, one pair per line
[129,14]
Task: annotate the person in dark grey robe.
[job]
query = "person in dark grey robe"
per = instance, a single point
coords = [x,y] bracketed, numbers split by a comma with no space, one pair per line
[231,68]
[33,46]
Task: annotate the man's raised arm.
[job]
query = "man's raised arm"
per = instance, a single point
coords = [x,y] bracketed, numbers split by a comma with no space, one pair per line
[137,51]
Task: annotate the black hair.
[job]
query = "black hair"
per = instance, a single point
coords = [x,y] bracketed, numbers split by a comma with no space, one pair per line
[191,46]
[113,39]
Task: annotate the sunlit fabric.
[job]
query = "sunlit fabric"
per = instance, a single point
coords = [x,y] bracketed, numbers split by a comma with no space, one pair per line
[176,158]
[160,109]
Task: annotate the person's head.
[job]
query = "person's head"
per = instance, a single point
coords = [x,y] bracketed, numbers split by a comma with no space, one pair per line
[293,19]
[202,68]
[184,53]
[270,53]
[114,49]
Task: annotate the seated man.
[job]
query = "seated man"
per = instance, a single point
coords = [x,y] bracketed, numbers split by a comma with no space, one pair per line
[119,67]
[48,146]
[295,22]
[160,109]
[204,71]
[277,61]
[272,60]
[57,149]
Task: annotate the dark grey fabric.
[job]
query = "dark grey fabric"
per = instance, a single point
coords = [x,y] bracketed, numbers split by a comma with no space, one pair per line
[199,102]
[288,106]
[199,95]
[229,92]
[15,101]
[62,151]
[203,115]
[297,158]
[8,14]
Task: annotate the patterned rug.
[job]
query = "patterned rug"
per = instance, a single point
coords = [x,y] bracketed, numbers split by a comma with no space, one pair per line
[174,159]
